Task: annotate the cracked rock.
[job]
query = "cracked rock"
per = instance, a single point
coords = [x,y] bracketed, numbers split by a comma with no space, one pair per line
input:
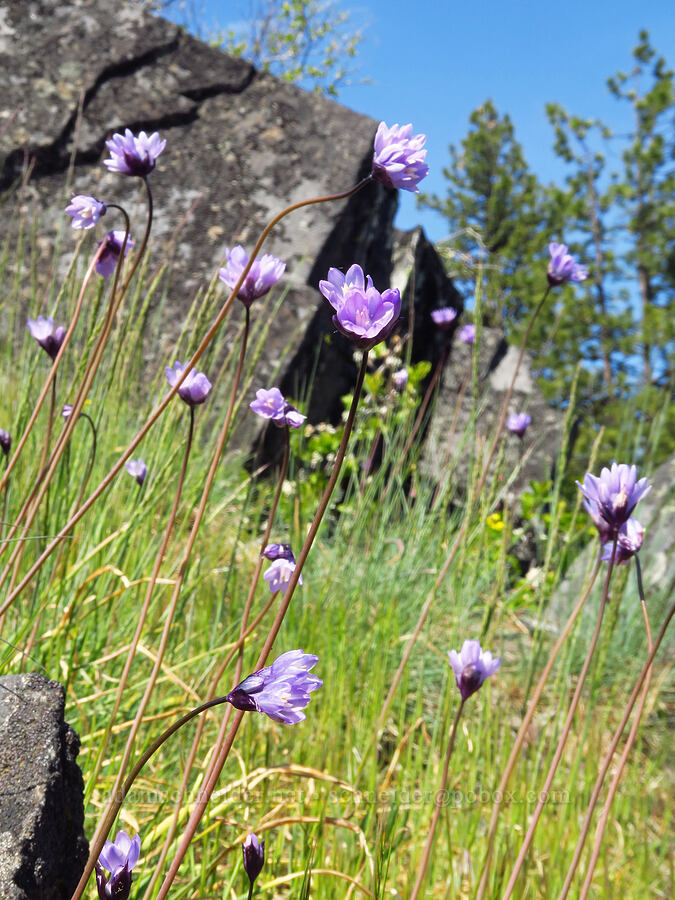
[42,844]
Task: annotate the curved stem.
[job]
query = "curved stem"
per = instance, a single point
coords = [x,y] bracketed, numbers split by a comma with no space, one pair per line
[565,732]
[244,631]
[437,808]
[457,542]
[646,678]
[159,559]
[122,792]
[159,409]
[525,725]
[217,767]
[78,403]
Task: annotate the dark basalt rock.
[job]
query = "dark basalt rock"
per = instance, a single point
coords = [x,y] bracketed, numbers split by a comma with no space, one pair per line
[240,146]
[42,844]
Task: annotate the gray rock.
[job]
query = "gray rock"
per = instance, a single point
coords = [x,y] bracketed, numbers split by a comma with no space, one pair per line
[240,146]
[42,844]
[449,438]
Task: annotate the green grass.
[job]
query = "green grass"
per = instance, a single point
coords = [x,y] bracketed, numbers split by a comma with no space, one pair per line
[329,790]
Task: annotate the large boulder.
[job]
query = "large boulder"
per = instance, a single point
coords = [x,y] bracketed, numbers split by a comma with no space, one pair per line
[42,844]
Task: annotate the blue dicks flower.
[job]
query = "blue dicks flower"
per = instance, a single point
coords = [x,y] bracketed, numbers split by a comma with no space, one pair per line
[131,155]
[467,333]
[281,690]
[472,666]
[611,498]
[48,337]
[254,857]
[112,249]
[278,551]
[263,274]
[628,543]
[518,423]
[5,441]
[563,266]
[400,380]
[272,405]
[280,572]
[119,857]
[137,469]
[85,210]
[194,390]
[398,160]
[444,317]
[362,314]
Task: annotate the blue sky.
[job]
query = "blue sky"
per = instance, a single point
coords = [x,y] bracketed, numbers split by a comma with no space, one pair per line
[432,63]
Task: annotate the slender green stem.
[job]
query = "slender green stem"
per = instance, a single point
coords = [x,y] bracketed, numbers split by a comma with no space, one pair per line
[456,544]
[244,631]
[159,559]
[210,782]
[525,726]
[438,806]
[565,732]
[159,409]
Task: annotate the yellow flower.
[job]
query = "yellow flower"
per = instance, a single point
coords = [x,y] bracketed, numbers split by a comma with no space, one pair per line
[495,522]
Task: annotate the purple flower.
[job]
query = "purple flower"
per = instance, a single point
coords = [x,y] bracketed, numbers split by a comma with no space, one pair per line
[361,313]
[85,210]
[113,242]
[119,858]
[263,274]
[518,423]
[472,666]
[281,690]
[629,542]
[398,160]
[467,333]
[48,337]
[279,574]
[137,469]
[444,317]
[254,857]
[563,266]
[400,379]
[278,551]
[67,410]
[611,498]
[271,405]
[131,155]
[5,441]
[194,390]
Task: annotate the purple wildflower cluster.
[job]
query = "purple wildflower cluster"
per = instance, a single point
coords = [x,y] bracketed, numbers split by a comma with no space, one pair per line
[5,441]
[279,574]
[611,498]
[196,387]
[444,317]
[272,405]
[518,423]
[47,336]
[137,469]
[263,274]
[254,857]
[362,314]
[398,160]
[112,244]
[472,666]
[133,155]
[281,690]
[563,266]
[85,211]
[119,857]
